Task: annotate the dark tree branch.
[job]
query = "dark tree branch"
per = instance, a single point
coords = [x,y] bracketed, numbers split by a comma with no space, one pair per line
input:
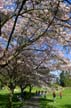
[0,25]
[63,20]
[21,7]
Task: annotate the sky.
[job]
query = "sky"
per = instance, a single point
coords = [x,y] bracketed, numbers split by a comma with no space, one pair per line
[68,1]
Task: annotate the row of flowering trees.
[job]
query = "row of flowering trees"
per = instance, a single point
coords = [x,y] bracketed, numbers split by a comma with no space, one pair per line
[34,35]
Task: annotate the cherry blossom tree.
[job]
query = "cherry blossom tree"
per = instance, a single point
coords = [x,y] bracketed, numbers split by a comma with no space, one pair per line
[36,34]
[42,27]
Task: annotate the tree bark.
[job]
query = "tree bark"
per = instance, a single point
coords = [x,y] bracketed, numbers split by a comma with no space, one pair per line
[22,92]
[30,89]
[11,98]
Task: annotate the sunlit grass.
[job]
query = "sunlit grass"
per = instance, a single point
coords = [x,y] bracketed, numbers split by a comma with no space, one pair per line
[65,102]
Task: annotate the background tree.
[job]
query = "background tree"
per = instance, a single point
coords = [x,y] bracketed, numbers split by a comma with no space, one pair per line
[65,79]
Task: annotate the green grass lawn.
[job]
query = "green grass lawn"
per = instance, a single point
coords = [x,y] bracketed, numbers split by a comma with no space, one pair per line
[65,102]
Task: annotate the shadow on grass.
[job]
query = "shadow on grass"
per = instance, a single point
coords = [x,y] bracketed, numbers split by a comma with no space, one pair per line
[4,101]
[67,106]
[33,102]
[48,100]
[46,103]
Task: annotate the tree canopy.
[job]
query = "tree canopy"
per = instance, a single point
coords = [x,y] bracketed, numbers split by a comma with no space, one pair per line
[37,34]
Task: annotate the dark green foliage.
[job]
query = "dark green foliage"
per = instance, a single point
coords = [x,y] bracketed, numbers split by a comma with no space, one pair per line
[62,79]
[65,79]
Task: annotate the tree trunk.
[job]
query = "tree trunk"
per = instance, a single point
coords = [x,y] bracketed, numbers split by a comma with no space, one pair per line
[11,99]
[21,93]
[30,89]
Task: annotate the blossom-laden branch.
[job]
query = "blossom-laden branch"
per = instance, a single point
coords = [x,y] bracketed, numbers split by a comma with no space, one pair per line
[21,7]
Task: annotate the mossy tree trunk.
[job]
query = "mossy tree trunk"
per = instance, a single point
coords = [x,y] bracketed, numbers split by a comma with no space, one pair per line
[30,86]
[30,89]
[12,87]
[11,99]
